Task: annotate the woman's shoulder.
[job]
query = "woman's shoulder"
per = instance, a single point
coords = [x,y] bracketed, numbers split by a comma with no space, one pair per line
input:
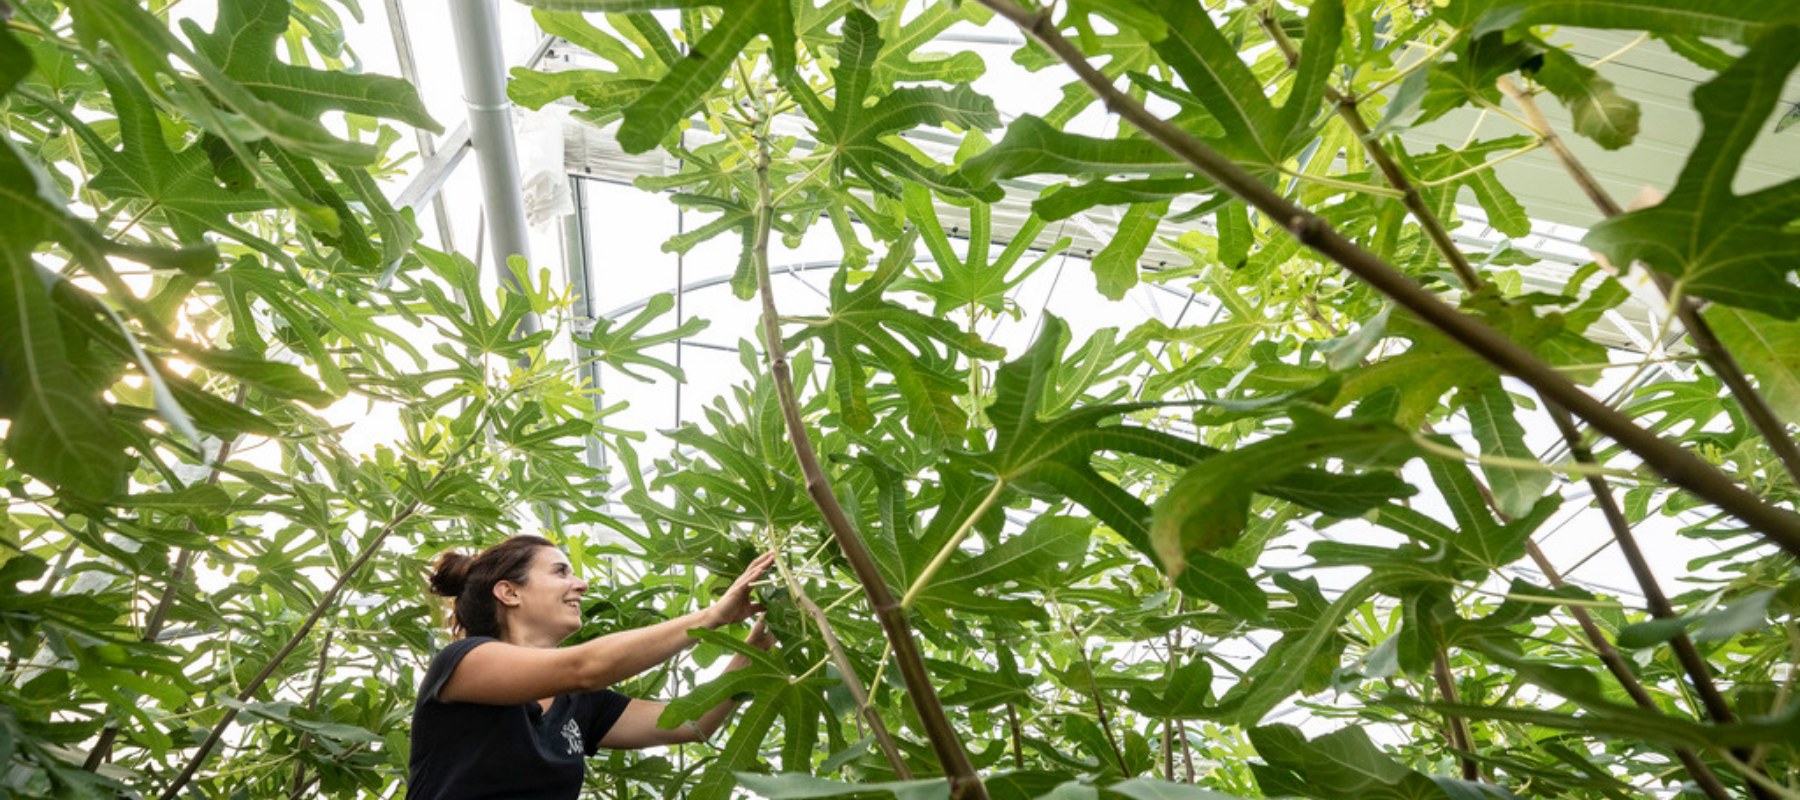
[444,663]
[461,647]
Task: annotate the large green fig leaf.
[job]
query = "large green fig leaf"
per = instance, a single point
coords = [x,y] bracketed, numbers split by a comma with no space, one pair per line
[1768,349]
[61,429]
[712,185]
[654,114]
[1126,50]
[1347,764]
[1208,507]
[906,32]
[1255,130]
[1034,559]
[1035,146]
[1433,364]
[1739,250]
[856,131]
[1496,426]
[864,329]
[179,186]
[1252,130]
[1465,168]
[1053,458]
[971,280]
[147,44]
[1740,21]
[640,53]
[242,44]
[776,694]
[621,348]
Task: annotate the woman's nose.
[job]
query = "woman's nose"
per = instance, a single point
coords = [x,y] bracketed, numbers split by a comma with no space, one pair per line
[581,586]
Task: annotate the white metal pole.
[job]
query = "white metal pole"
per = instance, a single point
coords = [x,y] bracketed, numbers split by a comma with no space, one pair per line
[477,31]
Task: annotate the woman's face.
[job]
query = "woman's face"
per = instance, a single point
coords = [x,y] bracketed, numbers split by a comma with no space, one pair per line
[550,600]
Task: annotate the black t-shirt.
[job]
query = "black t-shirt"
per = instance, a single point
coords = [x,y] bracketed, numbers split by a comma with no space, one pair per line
[467,751]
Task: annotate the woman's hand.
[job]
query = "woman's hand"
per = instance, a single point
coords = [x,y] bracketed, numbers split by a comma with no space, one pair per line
[760,636]
[737,604]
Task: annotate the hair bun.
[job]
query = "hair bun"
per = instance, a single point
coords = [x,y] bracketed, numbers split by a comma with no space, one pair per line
[451,574]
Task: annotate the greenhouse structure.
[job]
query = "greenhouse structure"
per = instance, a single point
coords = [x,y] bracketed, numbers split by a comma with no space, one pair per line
[916,399]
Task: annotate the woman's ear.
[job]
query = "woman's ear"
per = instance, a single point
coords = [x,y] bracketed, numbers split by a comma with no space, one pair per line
[507,593]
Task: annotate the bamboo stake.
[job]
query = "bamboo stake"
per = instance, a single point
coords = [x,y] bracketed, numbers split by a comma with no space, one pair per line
[964,783]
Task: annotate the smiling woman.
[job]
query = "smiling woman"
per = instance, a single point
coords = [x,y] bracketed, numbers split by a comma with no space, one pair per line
[505,711]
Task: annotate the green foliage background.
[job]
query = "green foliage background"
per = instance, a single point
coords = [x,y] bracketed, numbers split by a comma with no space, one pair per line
[198,258]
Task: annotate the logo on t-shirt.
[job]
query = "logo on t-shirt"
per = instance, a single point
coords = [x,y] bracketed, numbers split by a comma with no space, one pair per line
[572,733]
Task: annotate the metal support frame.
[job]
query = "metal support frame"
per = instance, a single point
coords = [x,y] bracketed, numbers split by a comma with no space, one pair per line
[490,130]
[409,70]
[443,160]
[577,273]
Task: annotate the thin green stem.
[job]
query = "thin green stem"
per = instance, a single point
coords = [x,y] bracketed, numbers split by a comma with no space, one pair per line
[1484,166]
[801,184]
[852,682]
[1348,186]
[1756,776]
[1425,443]
[1424,61]
[949,548]
[1629,46]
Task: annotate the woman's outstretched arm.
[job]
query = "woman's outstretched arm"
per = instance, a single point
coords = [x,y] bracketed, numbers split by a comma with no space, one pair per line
[502,674]
[637,727]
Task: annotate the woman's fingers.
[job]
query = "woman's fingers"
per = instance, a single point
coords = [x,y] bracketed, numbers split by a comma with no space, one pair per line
[737,604]
[755,570]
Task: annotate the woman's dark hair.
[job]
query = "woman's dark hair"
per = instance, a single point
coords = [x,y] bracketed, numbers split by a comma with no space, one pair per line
[470,580]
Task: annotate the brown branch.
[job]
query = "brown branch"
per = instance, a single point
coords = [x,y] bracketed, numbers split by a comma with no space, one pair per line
[1602,491]
[1621,671]
[1687,309]
[1410,196]
[1699,674]
[965,784]
[1460,736]
[159,615]
[312,703]
[1779,526]
[1099,703]
[1018,736]
[1590,185]
[324,604]
[1685,652]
